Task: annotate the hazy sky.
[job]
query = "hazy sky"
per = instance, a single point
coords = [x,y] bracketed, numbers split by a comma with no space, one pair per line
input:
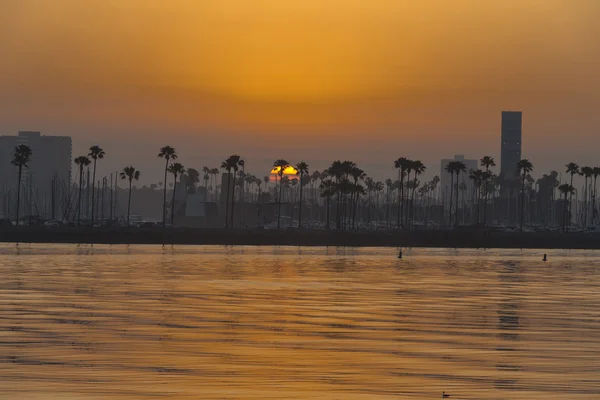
[303,79]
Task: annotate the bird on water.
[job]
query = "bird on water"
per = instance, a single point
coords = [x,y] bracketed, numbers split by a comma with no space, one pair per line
[400,254]
[545,257]
[444,395]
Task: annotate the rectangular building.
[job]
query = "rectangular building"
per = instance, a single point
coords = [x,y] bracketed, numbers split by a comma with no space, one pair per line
[510,151]
[46,181]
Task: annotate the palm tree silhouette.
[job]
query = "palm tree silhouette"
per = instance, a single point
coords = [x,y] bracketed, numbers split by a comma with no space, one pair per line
[355,191]
[82,162]
[95,153]
[406,196]
[450,168]
[226,166]
[401,164]
[214,172]
[207,172]
[524,167]
[390,184]
[587,172]
[328,189]
[459,167]
[302,168]
[566,190]
[280,166]
[21,156]
[192,178]
[487,162]
[594,211]
[237,163]
[176,169]
[572,169]
[370,184]
[168,153]
[418,167]
[476,177]
[231,164]
[129,173]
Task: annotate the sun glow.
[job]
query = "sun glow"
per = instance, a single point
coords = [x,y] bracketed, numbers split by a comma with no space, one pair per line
[289,170]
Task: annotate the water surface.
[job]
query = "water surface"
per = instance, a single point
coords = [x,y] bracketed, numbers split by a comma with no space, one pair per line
[202,322]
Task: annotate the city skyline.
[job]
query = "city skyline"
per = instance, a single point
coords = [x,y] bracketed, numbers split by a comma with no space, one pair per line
[338,81]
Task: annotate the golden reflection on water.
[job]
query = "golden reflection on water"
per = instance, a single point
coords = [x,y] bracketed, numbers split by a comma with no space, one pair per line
[191,322]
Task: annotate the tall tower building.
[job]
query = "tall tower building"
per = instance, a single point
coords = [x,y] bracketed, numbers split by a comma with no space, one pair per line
[510,151]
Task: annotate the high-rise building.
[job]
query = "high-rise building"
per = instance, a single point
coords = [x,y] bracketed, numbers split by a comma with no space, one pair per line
[446,179]
[46,181]
[510,151]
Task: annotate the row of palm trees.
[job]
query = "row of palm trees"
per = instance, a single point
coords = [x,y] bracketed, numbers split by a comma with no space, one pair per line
[345,182]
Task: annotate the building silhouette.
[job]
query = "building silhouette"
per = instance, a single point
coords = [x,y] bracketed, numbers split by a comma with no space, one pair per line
[510,150]
[44,183]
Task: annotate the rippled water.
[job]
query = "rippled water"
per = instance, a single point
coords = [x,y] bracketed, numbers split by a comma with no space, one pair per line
[191,322]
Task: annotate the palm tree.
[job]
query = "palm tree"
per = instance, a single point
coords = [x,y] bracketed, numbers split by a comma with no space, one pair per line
[355,191]
[192,177]
[401,164]
[82,162]
[226,166]
[524,167]
[459,167]
[129,173]
[487,162]
[418,167]
[594,212]
[572,169]
[302,169]
[176,169]
[168,153]
[390,188]
[95,153]
[232,163]
[450,168]
[328,189]
[207,172]
[587,172]
[280,165]
[477,177]
[214,172]
[566,190]
[370,184]
[21,156]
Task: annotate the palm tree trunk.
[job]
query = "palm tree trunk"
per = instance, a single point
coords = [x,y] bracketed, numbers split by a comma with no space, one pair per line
[165,195]
[400,202]
[93,191]
[485,202]
[456,208]
[300,210]
[522,200]
[227,197]
[327,211]
[173,201]
[565,212]
[232,199]
[594,202]
[19,192]
[278,197]
[79,197]
[570,201]
[129,201]
[451,195]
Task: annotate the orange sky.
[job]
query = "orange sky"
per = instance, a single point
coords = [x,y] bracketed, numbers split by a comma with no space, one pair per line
[370,81]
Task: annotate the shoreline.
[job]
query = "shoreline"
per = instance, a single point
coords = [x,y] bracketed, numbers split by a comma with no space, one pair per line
[461,238]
